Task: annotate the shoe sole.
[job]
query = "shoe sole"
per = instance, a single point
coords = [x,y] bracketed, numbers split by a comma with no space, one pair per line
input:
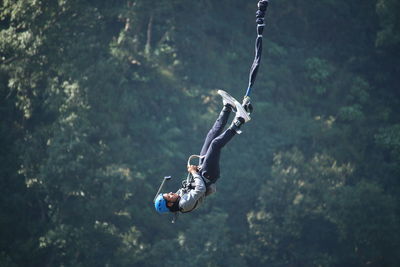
[228,98]
[240,111]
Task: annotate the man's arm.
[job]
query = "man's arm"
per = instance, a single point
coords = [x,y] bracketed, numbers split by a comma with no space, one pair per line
[189,200]
[199,186]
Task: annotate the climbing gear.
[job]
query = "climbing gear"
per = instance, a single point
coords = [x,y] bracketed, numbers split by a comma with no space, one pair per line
[247,105]
[189,182]
[192,157]
[189,179]
[161,204]
[236,125]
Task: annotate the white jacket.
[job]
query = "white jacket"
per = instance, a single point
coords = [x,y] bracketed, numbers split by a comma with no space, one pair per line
[192,198]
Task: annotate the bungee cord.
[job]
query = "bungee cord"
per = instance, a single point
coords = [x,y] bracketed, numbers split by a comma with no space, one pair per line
[260,14]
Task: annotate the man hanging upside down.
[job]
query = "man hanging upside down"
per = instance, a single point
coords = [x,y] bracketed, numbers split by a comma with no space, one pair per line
[192,194]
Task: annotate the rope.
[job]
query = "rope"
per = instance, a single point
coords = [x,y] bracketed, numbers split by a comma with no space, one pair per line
[260,14]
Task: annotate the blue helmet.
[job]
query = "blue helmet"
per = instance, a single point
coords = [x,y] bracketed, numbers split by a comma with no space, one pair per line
[161,204]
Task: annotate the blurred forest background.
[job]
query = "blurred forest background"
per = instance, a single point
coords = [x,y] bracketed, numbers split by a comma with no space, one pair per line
[100,99]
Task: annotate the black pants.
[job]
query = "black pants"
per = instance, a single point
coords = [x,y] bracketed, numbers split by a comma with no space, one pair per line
[213,144]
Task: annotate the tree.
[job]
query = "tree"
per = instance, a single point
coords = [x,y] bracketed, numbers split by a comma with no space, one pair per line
[290,226]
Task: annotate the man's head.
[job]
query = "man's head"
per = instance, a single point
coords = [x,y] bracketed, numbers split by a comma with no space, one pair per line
[168,202]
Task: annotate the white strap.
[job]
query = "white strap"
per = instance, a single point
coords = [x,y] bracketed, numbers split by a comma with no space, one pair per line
[193,156]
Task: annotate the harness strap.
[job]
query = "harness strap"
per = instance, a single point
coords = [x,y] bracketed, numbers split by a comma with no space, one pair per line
[187,184]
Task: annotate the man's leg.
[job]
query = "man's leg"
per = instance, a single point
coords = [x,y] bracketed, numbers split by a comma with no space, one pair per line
[210,163]
[216,129]
[210,167]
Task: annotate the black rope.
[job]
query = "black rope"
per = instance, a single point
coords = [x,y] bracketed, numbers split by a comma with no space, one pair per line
[260,14]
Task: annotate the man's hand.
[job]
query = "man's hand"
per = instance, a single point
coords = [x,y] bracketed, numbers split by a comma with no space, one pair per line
[193,169]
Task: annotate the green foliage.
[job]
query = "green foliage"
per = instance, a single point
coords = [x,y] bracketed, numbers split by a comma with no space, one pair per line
[390,23]
[390,138]
[292,225]
[319,73]
[364,217]
[208,236]
[100,99]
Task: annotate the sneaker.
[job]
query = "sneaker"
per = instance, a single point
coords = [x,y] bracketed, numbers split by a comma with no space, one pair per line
[228,100]
[241,112]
